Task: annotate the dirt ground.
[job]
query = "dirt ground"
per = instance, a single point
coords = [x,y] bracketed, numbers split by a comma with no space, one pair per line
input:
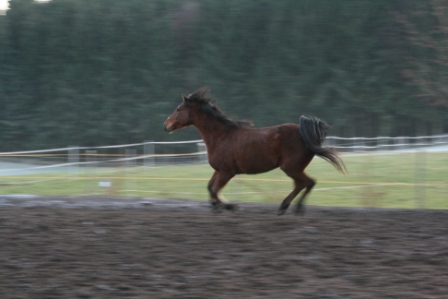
[155,248]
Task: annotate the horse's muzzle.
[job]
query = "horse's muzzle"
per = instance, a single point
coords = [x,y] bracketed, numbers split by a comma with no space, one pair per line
[168,129]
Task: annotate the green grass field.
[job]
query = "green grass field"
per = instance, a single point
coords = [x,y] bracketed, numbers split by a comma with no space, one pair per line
[406,180]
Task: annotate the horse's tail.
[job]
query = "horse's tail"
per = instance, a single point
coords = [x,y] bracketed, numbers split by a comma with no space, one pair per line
[313,132]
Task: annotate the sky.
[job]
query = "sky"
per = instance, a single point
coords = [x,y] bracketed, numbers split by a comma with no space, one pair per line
[4,3]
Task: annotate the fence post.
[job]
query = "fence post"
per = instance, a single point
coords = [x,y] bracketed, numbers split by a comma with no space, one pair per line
[148,152]
[92,163]
[73,158]
[420,178]
[397,142]
[382,144]
[202,148]
[73,161]
[361,145]
[129,153]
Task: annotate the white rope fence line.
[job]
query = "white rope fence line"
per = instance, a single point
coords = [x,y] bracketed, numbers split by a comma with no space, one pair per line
[99,147]
[199,141]
[27,182]
[273,192]
[399,141]
[387,137]
[391,145]
[72,148]
[98,162]
[249,192]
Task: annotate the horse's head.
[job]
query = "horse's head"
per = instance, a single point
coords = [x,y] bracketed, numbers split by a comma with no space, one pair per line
[180,118]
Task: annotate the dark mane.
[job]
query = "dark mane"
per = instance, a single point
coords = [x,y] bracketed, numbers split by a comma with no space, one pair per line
[201,97]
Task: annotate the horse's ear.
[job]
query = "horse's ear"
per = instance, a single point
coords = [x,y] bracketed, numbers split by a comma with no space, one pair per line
[184,98]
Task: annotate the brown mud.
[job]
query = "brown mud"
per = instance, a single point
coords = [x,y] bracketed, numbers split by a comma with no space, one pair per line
[135,248]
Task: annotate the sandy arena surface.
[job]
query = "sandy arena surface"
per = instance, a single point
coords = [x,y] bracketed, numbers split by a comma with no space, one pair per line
[109,247]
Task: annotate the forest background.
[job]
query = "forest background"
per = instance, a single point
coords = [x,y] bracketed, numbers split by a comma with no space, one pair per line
[104,72]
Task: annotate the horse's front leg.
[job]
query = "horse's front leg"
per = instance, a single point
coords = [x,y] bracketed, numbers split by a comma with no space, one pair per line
[216,183]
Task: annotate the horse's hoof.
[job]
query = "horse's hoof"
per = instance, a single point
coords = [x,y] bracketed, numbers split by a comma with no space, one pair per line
[282,209]
[300,210]
[216,209]
[281,212]
[231,207]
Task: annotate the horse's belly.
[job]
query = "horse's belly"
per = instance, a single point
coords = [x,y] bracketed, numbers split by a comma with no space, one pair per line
[256,164]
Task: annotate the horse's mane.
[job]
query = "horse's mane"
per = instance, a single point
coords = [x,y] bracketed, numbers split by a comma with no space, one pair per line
[201,97]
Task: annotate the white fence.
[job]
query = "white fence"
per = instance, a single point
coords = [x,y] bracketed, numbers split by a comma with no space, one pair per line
[146,153]
[70,158]
[385,143]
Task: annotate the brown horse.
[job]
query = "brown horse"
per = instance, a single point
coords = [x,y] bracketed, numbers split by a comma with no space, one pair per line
[235,148]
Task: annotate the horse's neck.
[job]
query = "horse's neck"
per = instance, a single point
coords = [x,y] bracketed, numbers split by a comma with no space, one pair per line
[212,132]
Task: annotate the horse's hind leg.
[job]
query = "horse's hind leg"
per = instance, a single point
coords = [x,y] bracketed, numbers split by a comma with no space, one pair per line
[216,183]
[301,180]
[287,201]
[309,186]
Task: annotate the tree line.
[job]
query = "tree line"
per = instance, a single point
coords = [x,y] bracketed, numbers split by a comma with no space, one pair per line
[81,72]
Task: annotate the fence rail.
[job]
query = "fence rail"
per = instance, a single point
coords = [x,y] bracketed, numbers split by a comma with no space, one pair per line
[385,142]
[145,153]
